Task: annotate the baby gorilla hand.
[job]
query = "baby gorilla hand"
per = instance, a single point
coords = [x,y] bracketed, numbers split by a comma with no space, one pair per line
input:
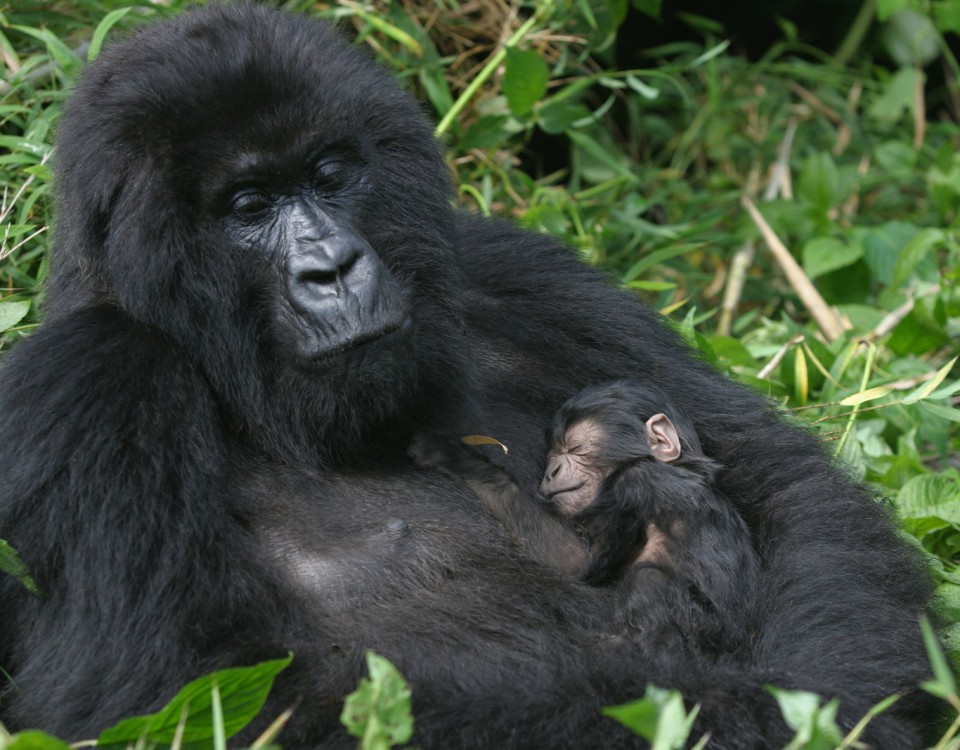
[444,454]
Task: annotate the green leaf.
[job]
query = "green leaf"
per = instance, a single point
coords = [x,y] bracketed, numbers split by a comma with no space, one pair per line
[941,672]
[711,53]
[898,97]
[825,254]
[870,394]
[930,495]
[379,710]
[96,41]
[488,131]
[948,594]
[882,246]
[931,385]
[242,690]
[647,92]
[947,14]
[916,258]
[660,717]
[939,410]
[33,739]
[525,78]
[815,725]
[557,117]
[65,57]
[659,256]
[652,286]
[897,158]
[911,38]
[648,7]
[819,182]
[619,167]
[12,313]
[919,332]
[11,563]
[887,8]
[388,29]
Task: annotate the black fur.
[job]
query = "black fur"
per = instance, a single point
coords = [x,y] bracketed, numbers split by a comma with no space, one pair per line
[691,588]
[191,498]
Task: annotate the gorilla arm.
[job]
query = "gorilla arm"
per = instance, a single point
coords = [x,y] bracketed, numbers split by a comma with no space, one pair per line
[535,528]
[124,429]
[836,585]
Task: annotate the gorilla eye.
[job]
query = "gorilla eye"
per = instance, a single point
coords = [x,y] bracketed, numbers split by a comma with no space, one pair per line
[250,203]
[331,176]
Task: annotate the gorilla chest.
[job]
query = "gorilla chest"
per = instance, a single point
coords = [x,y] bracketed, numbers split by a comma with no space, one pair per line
[349,539]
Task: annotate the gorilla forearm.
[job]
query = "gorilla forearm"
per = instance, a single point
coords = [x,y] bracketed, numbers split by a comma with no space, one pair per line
[540,533]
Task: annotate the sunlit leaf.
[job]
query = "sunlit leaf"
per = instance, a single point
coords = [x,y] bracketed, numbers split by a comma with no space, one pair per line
[242,692]
[870,394]
[379,710]
[931,385]
[483,440]
[525,78]
[11,564]
[12,313]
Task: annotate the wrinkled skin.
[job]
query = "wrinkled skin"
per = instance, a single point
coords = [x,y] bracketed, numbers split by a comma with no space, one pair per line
[576,465]
[259,292]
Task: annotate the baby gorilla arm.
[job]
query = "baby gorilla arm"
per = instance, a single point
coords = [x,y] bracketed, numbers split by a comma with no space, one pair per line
[690,585]
[537,529]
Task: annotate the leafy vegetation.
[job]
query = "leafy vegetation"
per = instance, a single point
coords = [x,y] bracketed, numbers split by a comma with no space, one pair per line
[204,714]
[794,214]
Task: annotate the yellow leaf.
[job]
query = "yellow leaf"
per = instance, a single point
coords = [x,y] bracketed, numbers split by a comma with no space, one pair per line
[801,382]
[483,440]
[931,385]
[868,395]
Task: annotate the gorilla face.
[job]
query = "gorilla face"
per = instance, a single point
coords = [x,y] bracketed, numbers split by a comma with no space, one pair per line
[261,216]
[333,293]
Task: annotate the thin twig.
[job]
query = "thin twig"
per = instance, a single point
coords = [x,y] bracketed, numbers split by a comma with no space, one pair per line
[778,357]
[919,110]
[736,279]
[891,319]
[780,179]
[867,369]
[826,319]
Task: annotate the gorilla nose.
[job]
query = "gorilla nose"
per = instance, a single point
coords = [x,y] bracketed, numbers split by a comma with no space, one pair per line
[553,468]
[325,270]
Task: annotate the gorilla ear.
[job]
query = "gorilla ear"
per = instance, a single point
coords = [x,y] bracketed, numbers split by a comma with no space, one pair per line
[663,438]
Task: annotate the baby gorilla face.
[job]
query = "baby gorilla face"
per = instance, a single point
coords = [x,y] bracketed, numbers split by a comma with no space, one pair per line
[575,470]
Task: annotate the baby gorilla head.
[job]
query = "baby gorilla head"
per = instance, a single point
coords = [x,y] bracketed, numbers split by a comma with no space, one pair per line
[604,428]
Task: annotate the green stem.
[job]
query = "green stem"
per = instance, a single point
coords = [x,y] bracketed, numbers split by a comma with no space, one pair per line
[492,64]
[868,368]
[858,30]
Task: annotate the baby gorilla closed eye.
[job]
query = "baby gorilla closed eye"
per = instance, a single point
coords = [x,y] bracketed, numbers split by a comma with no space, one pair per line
[627,499]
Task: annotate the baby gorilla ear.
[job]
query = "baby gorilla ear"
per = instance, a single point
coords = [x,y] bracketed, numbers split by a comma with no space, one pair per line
[663,438]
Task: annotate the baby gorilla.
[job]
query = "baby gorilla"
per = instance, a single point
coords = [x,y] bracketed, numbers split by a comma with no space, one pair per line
[628,500]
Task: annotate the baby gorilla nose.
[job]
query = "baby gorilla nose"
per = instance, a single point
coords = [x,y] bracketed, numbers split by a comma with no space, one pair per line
[553,468]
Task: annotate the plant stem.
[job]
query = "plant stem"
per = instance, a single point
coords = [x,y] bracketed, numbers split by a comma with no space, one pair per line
[856,33]
[492,64]
[871,355]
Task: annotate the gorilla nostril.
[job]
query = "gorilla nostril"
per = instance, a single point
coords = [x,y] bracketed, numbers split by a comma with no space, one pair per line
[320,278]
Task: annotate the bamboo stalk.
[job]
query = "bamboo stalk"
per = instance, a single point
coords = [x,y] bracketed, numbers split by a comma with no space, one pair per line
[826,319]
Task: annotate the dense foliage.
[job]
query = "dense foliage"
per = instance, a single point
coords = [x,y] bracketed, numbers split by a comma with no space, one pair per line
[794,212]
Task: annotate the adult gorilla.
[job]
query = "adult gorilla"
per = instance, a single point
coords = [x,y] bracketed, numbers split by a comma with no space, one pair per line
[260,292]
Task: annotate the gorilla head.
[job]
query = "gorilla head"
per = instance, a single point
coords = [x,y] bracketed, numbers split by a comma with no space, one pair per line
[262,217]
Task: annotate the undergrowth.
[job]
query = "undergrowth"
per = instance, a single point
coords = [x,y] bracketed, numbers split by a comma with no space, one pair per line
[793,214]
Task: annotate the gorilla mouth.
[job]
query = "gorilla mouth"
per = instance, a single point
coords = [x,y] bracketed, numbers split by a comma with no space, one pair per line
[397,328]
[564,490]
